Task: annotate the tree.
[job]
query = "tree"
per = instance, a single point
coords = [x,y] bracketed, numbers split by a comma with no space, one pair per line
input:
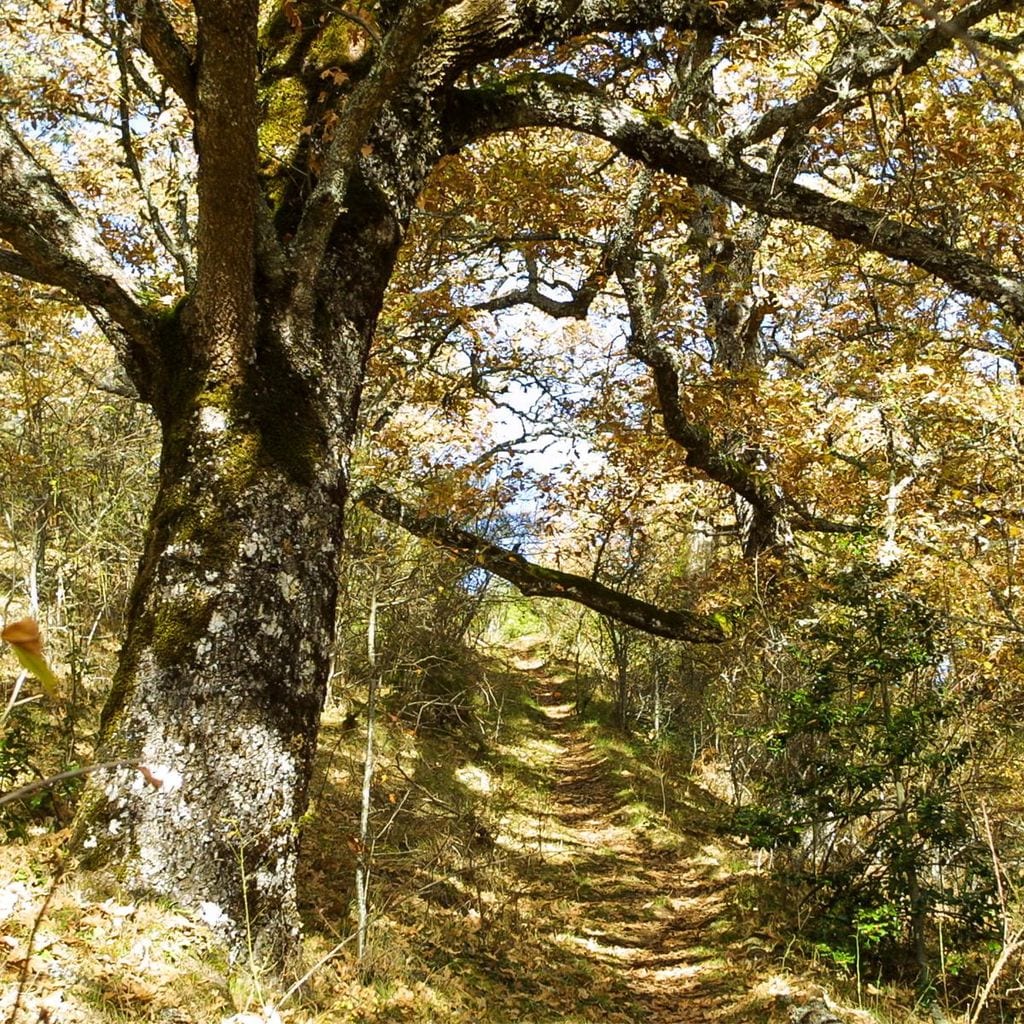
[245,319]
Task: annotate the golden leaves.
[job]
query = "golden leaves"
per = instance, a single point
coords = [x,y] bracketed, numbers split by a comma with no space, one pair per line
[24,634]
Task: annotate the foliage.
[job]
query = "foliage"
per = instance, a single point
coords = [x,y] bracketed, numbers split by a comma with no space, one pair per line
[717,304]
[20,740]
[867,785]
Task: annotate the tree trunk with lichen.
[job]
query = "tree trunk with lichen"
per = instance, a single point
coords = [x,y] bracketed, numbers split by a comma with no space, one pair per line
[223,672]
[255,378]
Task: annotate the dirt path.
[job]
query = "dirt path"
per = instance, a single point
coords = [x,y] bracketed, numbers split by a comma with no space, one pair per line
[648,920]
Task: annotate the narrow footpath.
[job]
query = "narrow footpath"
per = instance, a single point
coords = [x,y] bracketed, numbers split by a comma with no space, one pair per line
[648,917]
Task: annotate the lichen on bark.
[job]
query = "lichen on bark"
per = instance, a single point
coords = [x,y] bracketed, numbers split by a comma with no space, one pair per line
[219,692]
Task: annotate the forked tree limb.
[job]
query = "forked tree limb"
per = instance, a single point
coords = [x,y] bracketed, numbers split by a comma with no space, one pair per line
[394,64]
[171,56]
[561,101]
[539,581]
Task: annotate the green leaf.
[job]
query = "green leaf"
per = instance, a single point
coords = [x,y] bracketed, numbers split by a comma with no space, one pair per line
[36,664]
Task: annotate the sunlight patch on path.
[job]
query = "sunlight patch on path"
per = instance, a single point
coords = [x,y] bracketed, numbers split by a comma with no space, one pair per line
[640,916]
[593,945]
[674,973]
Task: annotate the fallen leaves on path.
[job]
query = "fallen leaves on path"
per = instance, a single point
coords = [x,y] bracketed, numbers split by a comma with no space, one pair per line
[643,916]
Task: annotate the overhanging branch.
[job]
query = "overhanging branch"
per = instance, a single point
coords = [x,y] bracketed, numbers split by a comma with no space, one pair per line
[561,101]
[53,244]
[538,581]
[470,34]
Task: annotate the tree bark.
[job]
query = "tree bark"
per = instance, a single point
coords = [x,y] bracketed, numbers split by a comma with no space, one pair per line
[223,673]
[539,581]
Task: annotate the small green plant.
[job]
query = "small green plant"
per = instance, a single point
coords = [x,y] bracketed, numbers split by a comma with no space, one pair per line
[835,957]
[874,925]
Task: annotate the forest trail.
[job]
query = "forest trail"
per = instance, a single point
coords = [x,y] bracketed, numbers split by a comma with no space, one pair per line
[649,920]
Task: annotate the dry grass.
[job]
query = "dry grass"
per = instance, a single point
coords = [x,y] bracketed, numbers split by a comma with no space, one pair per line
[545,874]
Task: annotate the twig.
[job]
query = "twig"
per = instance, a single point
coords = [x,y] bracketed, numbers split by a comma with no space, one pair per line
[1011,943]
[36,924]
[359,20]
[1008,950]
[32,787]
[298,983]
[13,702]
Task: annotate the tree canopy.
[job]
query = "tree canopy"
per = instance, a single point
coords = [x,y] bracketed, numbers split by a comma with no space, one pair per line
[722,299]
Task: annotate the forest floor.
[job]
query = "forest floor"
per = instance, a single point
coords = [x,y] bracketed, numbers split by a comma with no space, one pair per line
[631,885]
[544,874]
[651,919]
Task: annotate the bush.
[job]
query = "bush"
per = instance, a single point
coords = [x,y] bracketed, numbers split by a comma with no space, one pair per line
[864,777]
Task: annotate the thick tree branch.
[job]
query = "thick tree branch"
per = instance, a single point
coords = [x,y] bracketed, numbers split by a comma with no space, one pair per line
[859,64]
[535,580]
[564,102]
[224,302]
[703,452]
[54,245]
[390,72]
[16,265]
[137,389]
[171,57]
[1005,44]
[475,31]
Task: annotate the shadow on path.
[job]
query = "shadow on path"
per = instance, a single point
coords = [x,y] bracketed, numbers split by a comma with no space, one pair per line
[649,921]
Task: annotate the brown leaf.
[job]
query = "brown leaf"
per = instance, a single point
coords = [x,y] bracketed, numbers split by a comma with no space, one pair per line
[336,75]
[289,10]
[24,634]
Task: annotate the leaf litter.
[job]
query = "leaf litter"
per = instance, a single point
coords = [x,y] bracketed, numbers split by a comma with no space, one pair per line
[563,898]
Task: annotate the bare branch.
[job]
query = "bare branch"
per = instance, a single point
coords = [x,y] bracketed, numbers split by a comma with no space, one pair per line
[1005,44]
[564,102]
[33,787]
[357,19]
[171,57]
[127,145]
[576,307]
[536,580]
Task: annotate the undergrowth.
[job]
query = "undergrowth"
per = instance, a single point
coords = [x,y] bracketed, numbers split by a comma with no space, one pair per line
[481,901]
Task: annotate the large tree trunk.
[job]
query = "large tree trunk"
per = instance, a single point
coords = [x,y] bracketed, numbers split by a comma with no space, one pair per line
[223,673]
[218,692]
[256,381]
